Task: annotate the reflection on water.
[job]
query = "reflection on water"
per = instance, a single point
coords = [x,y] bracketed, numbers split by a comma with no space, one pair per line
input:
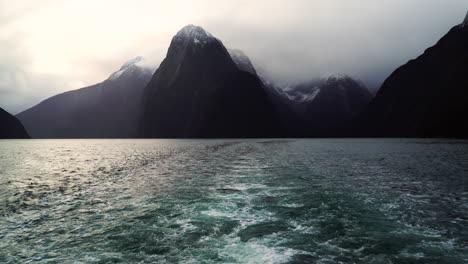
[234,201]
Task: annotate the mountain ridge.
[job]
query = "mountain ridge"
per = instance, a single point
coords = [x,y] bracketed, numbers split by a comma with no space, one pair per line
[105,109]
[11,127]
[426,97]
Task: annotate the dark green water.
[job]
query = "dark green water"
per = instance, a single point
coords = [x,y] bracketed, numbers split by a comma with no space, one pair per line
[234,201]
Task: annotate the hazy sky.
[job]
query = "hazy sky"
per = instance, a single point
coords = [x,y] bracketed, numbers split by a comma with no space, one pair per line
[52,46]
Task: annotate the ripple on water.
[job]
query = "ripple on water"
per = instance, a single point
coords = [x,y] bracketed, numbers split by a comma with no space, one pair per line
[233,201]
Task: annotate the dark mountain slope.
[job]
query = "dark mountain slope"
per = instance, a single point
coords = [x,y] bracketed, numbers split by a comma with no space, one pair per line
[426,97]
[319,107]
[110,109]
[242,61]
[10,127]
[199,92]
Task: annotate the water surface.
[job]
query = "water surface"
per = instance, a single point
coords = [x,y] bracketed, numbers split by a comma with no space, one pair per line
[234,201]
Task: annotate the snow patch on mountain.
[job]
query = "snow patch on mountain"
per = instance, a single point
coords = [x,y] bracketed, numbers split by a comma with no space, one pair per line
[308,92]
[129,66]
[336,77]
[339,79]
[311,96]
[116,75]
[302,96]
[193,34]
[131,62]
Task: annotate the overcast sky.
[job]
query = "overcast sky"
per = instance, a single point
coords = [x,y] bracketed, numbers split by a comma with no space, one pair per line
[51,46]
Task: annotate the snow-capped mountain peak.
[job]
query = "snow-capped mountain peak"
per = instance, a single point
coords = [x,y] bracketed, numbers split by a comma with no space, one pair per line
[127,66]
[342,81]
[195,34]
[193,31]
[336,77]
[132,62]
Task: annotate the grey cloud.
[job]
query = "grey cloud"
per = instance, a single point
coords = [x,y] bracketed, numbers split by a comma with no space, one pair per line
[20,85]
[287,41]
[366,41]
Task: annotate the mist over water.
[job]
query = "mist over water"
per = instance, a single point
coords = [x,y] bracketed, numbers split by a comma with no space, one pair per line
[234,201]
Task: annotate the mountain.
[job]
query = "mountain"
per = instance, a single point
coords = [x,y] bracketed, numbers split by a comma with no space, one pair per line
[110,109]
[318,107]
[10,127]
[242,61]
[426,97]
[200,92]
